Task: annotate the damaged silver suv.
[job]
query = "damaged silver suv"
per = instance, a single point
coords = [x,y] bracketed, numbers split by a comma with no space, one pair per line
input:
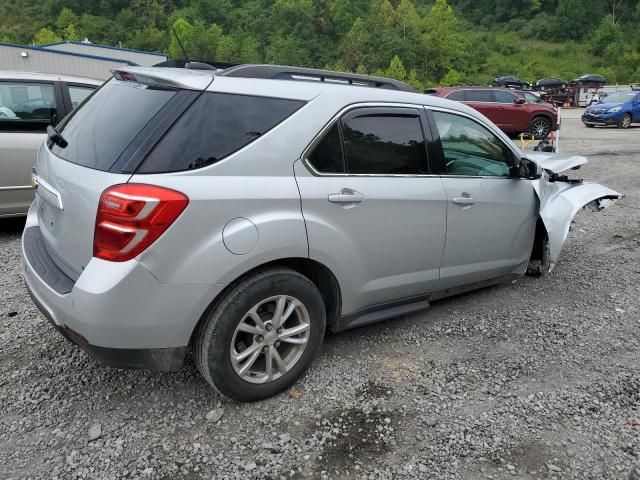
[242,213]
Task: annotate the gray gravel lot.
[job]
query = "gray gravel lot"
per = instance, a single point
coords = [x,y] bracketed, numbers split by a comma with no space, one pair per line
[534,379]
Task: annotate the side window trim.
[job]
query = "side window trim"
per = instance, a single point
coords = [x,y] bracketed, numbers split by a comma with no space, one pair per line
[419,113]
[439,151]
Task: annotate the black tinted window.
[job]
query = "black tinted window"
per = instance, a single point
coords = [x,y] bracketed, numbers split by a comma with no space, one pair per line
[215,126]
[100,130]
[479,96]
[457,95]
[384,142]
[504,97]
[326,157]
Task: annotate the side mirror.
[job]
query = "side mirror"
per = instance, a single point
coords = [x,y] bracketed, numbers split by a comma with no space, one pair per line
[527,169]
[520,101]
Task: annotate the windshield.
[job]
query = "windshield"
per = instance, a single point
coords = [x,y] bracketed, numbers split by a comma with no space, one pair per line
[532,98]
[622,97]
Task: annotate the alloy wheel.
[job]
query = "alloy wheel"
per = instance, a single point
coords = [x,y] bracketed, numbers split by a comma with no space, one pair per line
[626,121]
[540,128]
[270,339]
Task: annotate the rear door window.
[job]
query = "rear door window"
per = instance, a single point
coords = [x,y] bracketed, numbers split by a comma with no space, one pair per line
[99,131]
[214,127]
[479,96]
[384,141]
[27,106]
[504,97]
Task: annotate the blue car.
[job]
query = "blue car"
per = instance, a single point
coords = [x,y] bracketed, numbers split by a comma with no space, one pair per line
[620,109]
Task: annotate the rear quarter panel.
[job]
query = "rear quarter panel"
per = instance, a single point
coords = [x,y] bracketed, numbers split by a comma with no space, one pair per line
[257,184]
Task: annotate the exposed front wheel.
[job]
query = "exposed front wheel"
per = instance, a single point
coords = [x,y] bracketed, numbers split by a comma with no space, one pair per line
[540,127]
[625,122]
[261,337]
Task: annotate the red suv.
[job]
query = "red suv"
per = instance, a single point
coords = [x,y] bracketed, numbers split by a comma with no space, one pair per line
[509,110]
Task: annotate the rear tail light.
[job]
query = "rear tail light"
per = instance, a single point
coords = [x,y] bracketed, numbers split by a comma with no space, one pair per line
[131,217]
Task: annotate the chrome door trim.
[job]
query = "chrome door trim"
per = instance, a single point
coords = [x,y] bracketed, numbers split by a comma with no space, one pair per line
[51,195]
[16,187]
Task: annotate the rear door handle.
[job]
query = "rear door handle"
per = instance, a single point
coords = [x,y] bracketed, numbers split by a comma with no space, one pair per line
[346,196]
[465,199]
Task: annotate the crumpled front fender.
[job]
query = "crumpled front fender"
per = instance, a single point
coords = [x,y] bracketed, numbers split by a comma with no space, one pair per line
[560,201]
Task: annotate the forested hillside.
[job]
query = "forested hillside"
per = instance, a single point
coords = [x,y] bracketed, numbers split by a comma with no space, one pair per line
[421,41]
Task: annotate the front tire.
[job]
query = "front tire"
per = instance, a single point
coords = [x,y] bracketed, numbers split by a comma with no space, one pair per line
[589,125]
[540,127]
[625,122]
[261,336]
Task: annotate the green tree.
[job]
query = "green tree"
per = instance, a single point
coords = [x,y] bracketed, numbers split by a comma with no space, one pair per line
[288,50]
[407,19]
[608,39]
[442,40]
[452,77]
[396,69]
[414,81]
[44,36]
[65,18]
[354,45]
[69,32]
[199,41]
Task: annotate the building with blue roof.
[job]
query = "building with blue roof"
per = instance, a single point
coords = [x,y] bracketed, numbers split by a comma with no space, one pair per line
[82,59]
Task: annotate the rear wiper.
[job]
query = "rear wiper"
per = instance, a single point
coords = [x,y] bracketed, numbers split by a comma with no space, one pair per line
[55,136]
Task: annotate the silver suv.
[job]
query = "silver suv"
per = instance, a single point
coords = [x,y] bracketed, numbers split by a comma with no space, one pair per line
[242,217]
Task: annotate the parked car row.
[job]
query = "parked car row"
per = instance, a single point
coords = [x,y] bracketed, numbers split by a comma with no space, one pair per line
[242,213]
[29,102]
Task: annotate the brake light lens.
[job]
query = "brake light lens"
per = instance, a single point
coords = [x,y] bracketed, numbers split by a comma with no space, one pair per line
[131,217]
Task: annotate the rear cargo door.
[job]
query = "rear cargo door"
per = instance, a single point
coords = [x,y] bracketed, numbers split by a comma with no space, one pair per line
[105,136]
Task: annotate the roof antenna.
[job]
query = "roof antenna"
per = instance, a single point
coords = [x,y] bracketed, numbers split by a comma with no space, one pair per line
[184,52]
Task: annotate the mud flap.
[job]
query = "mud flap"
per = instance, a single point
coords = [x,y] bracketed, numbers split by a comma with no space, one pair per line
[560,201]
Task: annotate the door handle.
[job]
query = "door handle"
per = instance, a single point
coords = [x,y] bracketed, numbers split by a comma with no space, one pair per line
[346,196]
[465,199]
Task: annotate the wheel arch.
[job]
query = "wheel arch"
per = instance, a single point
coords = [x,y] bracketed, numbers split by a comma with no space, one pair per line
[319,274]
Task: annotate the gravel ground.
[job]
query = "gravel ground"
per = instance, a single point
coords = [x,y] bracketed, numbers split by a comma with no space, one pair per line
[534,379]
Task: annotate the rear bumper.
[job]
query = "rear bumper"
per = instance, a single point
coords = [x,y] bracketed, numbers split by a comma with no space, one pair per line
[118,312]
[158,359]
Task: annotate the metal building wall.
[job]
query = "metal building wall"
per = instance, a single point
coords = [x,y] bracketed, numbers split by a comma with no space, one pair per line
[48,61]
[140,58]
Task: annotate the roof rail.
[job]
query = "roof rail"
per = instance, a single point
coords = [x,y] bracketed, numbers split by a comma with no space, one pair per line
[280,72]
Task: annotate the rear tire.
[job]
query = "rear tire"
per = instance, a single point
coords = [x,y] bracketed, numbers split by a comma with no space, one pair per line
[540,127]
[625,122]
[239,324]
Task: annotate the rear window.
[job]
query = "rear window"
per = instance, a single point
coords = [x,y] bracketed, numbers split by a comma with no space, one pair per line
[214,127]
[102,128]
[457,95]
